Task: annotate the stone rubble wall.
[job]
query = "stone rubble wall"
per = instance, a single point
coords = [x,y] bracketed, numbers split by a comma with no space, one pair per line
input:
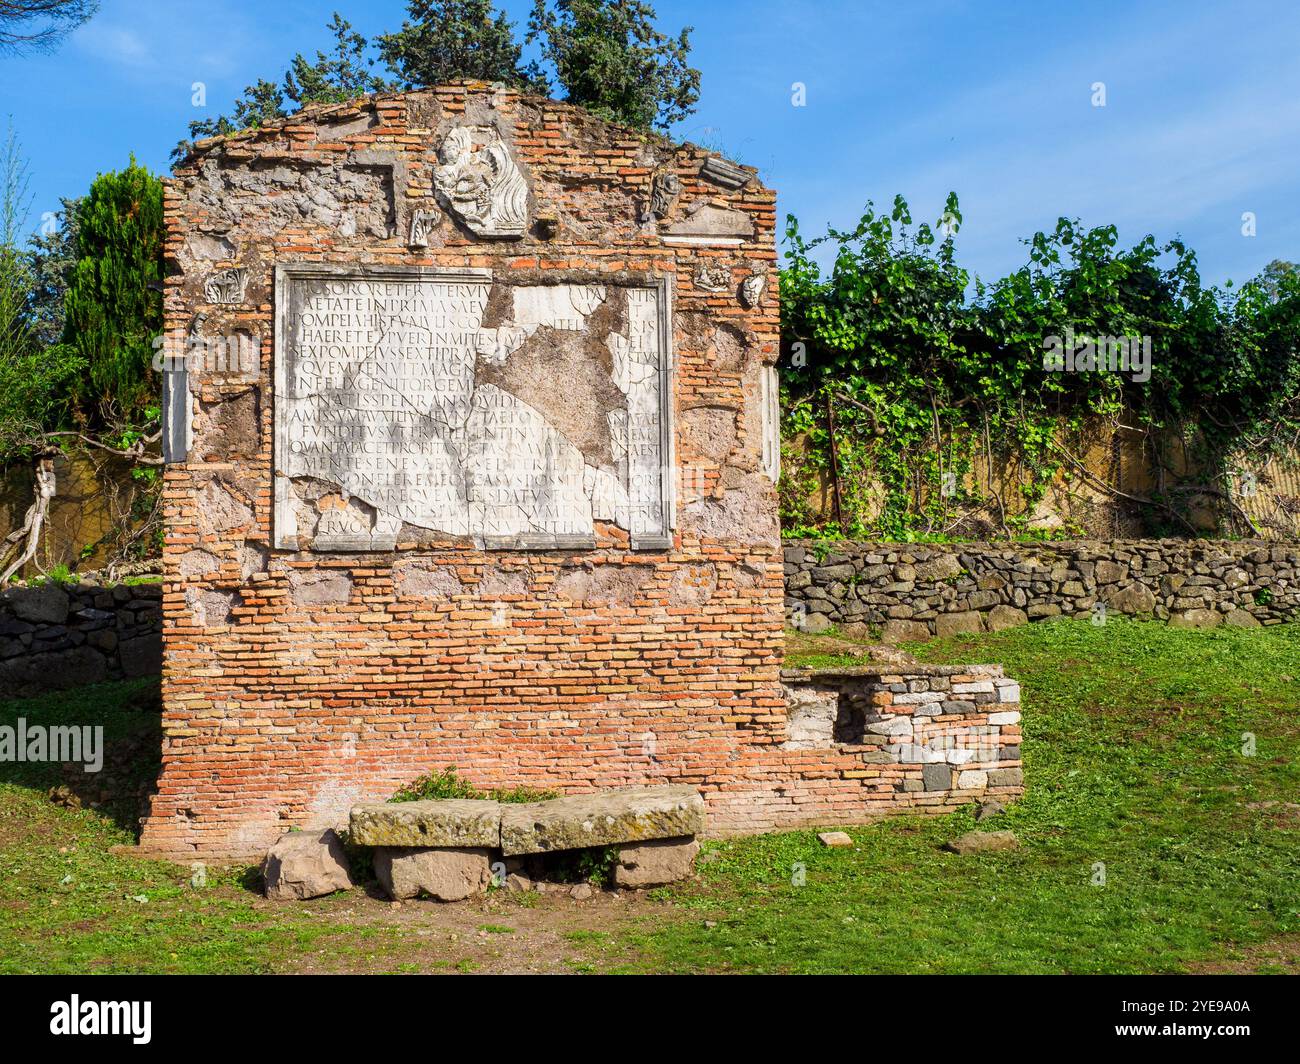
[55,637]
[919,591]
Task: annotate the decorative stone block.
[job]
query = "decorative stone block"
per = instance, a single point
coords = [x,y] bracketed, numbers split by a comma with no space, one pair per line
[709,226]
[483,411]
[724,172]
[226,286]
[479,182]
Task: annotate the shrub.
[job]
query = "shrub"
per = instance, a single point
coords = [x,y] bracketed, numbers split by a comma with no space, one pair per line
[439,786]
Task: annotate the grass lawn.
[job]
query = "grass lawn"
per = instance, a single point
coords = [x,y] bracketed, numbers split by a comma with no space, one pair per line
[1139,766]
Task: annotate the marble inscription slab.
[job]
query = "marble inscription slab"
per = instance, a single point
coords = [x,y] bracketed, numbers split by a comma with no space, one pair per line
[395,405]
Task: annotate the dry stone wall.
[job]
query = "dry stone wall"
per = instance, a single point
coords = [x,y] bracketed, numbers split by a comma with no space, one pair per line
[56,636]
[918,591]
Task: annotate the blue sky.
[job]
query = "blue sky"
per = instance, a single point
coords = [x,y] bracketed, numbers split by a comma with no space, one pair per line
[991,99]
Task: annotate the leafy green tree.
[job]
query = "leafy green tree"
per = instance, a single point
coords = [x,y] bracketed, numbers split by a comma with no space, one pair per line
[34,379]
[609,58]
[261,103]
[1277,276]
[114,300]
[451,40]
[15,273]
[342,75]
[38,25]
[51,257]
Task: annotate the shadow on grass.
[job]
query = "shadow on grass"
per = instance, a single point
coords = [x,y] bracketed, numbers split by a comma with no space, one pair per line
[130,714]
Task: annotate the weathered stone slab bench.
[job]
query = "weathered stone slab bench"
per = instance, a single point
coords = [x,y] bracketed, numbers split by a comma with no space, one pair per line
[451,822]
[603,819]
[446,848]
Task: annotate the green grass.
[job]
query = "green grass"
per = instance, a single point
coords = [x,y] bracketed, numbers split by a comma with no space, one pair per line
[69,904]
[1134,759]
[1133,753]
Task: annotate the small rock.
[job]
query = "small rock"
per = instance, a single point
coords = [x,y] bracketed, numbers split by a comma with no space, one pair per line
[305,864]
[816,624]
[1136,599]
[1003,617]
[581,892]
[988,810]
[950,624]
[65,797]
[47,604]
[983,842]
[905,632]
[835,839]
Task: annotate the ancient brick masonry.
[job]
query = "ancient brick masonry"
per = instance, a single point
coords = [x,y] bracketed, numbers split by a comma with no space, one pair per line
[318,650]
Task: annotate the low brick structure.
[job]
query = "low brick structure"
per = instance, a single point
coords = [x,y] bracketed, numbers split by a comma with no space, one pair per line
[57,636]
[915,591]
[866,741]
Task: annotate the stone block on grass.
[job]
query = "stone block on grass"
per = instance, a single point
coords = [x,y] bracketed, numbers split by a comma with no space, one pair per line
[983,842]
[655,863]
[305,864]
[451,874]
[449,822]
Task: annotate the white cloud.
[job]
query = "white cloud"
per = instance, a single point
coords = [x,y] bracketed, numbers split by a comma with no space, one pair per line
[115,44]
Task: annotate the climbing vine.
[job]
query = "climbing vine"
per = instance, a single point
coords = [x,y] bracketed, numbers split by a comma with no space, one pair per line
[902,372]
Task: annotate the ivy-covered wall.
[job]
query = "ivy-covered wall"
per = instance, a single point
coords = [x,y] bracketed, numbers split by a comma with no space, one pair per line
[921,401]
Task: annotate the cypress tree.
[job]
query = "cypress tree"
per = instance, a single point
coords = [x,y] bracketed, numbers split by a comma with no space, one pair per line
[114,300]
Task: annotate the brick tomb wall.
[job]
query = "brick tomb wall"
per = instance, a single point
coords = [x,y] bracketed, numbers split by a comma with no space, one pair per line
[556,564]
